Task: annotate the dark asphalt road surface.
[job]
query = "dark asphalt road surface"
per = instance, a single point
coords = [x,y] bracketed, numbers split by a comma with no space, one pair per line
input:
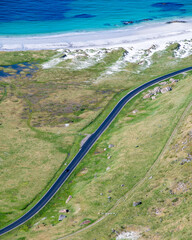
[84,150]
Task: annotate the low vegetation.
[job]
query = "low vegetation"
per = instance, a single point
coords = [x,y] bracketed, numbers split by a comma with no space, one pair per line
[45,113]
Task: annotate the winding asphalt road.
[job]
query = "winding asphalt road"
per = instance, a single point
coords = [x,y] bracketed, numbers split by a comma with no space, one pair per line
[84,150]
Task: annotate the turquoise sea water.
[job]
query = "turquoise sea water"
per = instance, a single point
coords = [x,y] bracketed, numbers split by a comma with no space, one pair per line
[55,16]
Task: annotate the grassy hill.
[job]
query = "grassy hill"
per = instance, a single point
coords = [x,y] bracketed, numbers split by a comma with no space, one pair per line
[46,112]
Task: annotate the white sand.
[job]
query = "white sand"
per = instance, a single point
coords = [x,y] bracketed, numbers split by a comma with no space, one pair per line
[140,37]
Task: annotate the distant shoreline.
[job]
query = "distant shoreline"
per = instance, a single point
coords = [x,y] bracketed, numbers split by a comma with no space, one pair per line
[141,37]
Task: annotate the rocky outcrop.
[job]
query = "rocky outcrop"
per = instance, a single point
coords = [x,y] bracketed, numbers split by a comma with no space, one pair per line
[172,80]
[166,89]
[176,21]
[148,95]
[162,83]
[152,93]
[156,90]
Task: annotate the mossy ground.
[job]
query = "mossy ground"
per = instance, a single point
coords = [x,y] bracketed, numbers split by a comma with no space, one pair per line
[36,144]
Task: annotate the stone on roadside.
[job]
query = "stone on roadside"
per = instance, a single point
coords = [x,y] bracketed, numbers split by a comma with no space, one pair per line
[162,83]
[156,90]
[148,95]
[172,80]
[61,217]
[166,89]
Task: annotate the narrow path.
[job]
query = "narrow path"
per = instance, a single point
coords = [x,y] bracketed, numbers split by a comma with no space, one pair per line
[129,195]
[85,149]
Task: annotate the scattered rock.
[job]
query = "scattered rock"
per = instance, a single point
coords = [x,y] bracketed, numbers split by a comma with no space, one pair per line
[135,111]
[162,83]
[66,124]
[137,146]
[144,20]
[105,149]
[172,80]
[136,204]
[109,157]
[64,56]
[185,160]
[153,97]
[157,211]
[64,211]
[108,168]
[166,89]
[156,90]
[150,177]
[125,53]
[61,217]
[68,199]
[148,95]
[127,22]
[101,194]
[122,185]
[111,146]
[170,191]
[85,222]
[109,198]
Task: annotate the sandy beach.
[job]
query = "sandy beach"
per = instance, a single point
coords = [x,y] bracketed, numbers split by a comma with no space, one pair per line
[138,36]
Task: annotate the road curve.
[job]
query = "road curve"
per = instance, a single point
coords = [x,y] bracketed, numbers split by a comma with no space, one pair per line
[84,150]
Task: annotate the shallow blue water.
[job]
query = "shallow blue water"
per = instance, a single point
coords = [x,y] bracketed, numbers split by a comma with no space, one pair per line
[53,16]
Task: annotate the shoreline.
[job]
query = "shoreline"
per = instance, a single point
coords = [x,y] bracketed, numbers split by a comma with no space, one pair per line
[140,36]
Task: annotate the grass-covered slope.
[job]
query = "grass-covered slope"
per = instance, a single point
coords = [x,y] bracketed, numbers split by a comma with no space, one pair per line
[37,143]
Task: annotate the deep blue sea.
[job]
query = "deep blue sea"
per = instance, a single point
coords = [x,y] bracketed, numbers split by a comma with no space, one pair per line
[55,16]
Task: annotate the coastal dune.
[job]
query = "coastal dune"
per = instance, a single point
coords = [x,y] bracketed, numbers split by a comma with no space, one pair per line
[138,36]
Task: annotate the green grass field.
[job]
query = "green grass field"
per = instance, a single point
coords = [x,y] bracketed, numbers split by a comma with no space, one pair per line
[36,145]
